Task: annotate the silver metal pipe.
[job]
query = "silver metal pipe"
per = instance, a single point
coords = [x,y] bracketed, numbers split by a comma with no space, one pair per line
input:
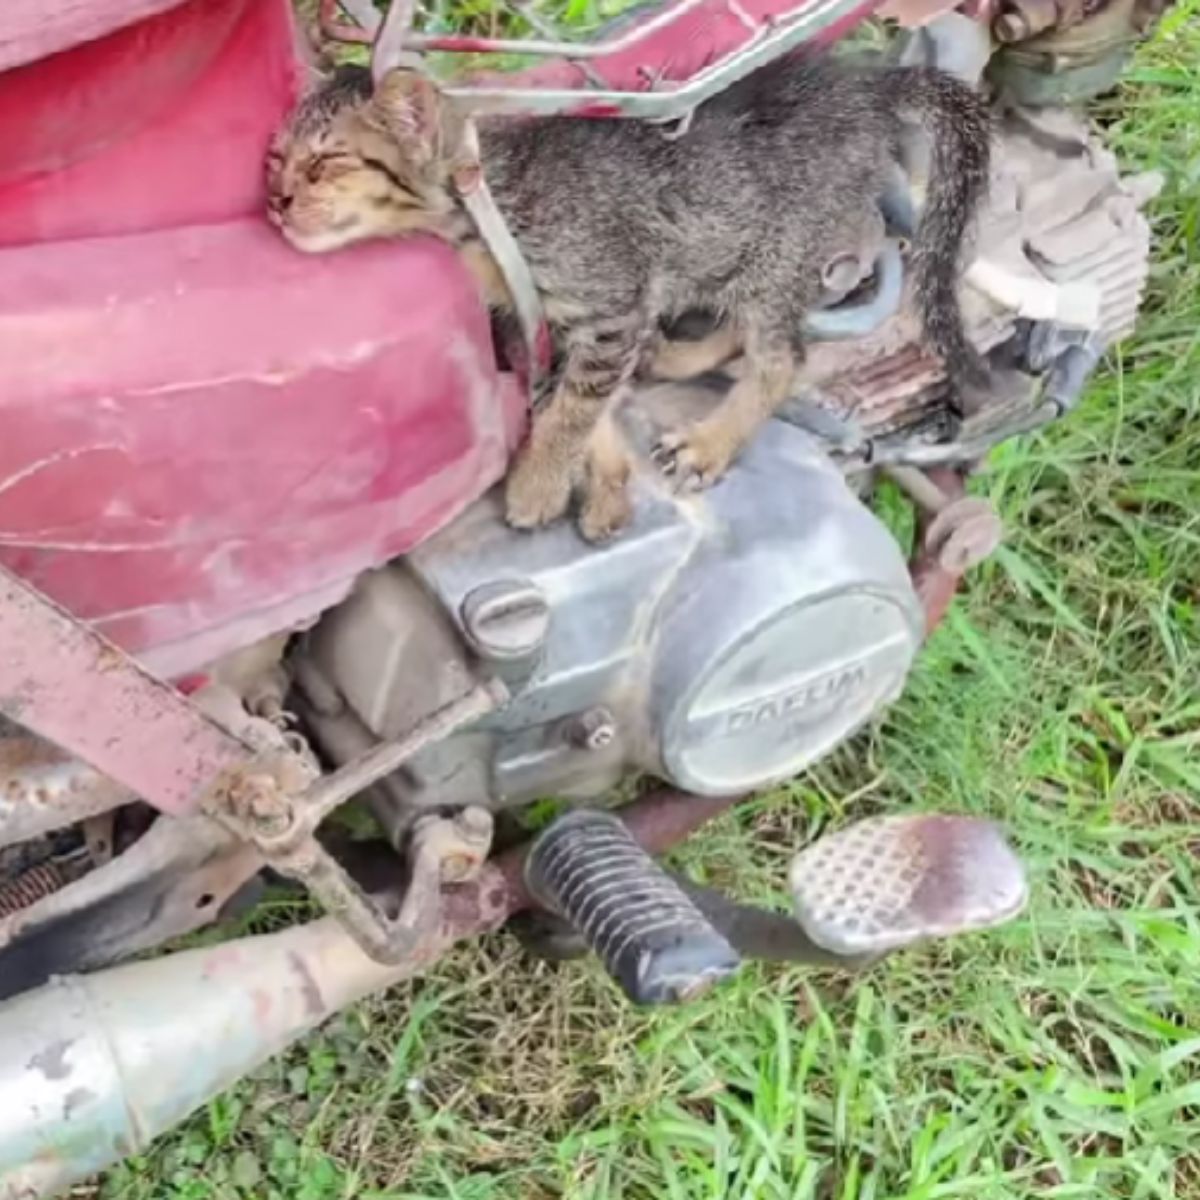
[773,40]
[93,1068]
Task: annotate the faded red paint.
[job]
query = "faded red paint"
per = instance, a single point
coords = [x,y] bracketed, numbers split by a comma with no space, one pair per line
[207,436]
[461,44]
[158,125]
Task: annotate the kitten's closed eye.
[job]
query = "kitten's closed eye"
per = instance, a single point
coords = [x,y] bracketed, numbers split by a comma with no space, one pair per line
[329,166]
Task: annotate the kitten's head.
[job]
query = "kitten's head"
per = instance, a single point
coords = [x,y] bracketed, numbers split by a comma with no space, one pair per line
[354,162]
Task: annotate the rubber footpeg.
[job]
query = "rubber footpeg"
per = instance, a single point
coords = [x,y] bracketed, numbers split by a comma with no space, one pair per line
[652,939]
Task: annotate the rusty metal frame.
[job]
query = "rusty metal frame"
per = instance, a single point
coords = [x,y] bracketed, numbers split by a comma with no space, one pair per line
[282,823]
[68,684]
[394,38]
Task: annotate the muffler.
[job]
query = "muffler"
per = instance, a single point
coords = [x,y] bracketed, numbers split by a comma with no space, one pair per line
[93,1068]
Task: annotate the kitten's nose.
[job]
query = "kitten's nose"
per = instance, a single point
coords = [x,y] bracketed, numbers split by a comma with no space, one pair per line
[281,203]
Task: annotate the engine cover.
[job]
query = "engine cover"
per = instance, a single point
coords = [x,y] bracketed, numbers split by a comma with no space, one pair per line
[724,641]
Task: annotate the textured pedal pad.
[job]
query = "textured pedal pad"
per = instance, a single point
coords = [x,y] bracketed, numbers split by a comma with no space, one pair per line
[652,939]
[891,881]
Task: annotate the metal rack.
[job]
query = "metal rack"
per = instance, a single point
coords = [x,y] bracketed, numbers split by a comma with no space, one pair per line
[655,64]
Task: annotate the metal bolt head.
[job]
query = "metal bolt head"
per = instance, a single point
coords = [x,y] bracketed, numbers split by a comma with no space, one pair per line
[841,272]
[260,803]
[595,729]
[506,619]
[475,824]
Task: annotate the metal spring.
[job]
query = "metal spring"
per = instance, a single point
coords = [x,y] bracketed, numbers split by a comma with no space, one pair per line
[29,887]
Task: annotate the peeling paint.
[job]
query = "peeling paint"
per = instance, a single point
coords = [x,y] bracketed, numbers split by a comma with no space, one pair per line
[52,1060]
[75,1099]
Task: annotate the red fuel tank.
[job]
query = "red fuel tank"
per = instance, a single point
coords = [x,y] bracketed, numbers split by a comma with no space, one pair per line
[204,435]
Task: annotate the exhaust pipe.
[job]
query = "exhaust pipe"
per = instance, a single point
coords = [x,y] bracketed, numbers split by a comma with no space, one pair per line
[93,1068]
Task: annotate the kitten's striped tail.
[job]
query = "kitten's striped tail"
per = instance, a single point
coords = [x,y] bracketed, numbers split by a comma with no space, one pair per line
[960,128]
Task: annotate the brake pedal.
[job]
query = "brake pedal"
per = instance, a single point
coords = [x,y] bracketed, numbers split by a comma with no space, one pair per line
[887,882]
[651,938]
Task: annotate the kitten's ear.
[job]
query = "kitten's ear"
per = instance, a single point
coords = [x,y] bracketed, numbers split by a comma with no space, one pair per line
[408,107]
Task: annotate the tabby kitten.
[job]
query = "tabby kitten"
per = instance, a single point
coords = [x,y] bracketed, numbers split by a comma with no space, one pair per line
[624,229]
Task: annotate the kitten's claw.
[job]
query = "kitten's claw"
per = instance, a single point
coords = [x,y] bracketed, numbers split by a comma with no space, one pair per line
[662,453]
[606,511]
[689,459]
[535,493]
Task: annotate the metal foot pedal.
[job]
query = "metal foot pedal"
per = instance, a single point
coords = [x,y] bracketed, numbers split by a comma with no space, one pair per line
[885,883]
[652,939]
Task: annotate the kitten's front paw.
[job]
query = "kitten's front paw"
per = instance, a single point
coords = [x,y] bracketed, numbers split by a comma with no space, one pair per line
[693,459]
[606,511]
[536,492]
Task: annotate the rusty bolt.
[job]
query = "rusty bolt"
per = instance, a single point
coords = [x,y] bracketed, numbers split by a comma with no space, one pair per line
[258,802]
[964,530]
[473,827]
[963,534]
[593,730]
[458,868]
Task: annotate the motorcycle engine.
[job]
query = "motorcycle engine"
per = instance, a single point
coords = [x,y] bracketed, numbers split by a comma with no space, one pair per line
[727,640]
[724,642]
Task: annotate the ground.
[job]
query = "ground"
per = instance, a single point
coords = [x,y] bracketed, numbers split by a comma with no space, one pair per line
[1059,1057]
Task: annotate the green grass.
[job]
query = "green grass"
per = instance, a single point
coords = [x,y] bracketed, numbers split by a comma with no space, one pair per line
[1058,1057]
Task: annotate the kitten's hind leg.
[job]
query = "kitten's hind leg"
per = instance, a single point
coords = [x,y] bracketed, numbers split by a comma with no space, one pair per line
[599,362]
[685,359]
[699,455]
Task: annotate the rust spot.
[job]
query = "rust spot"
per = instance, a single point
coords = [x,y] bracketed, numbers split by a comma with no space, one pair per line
[22,753]
[262,1006]
[52,1061]
[314,1005]
[109,658]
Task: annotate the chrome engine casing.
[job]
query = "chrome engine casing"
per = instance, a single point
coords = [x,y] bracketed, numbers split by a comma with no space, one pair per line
[728,640]
[724,642]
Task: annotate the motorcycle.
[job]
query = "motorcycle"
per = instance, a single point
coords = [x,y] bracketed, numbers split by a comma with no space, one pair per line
[253,569]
